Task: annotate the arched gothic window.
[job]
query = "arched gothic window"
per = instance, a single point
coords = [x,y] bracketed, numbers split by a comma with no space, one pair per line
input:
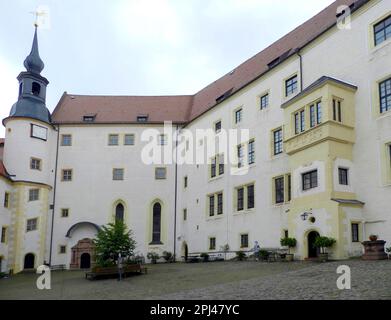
[119,212]
[156,223]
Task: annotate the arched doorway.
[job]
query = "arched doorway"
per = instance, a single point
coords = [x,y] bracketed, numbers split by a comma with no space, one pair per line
[185,251]
[85,261]
[312,250]
[29,261]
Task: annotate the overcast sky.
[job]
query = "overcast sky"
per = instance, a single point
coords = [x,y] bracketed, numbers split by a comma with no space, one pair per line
[140,47]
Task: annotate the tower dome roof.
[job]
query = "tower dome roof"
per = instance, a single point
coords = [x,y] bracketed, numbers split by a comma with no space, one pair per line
[33,62]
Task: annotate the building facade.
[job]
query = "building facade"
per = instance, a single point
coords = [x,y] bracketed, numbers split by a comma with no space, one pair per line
[317,161]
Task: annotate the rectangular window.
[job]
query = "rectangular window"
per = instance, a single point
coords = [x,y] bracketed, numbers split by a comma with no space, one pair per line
[382,30]
[212,243]
[3,235]
[312,117]
[302,120]
[343,176]
[213,168]
[35,164]
[286,234]
[6,199]
[162,140]
[64,213]
[129,140]
[33,194]
[240,199]
[279,190]
[291,86]
[244,241]
[63,249]
[219,203]
[238,115]
[221,164]
[277,137]
[118,174]
[319,112]
[337,110]
[264,101]
[185,181]
[67,175]
[310,180]
[289,187]
[31,225]
[385,95]
[250,197]
[355,232]
[218,126]
[66,140]
[184,214]
[251,152]
[160,173]
[113,140]
[240,156]
[297,123]
[211,206]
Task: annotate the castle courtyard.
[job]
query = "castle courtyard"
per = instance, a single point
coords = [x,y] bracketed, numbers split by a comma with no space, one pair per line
[218,280]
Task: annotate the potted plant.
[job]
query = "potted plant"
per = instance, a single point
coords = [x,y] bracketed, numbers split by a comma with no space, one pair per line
[240,255]
[153,256]
[323,243]
[290,243]
[204,256]
[373,237]
[168,256]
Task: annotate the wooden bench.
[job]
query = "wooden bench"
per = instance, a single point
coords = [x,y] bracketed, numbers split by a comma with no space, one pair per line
[113,271]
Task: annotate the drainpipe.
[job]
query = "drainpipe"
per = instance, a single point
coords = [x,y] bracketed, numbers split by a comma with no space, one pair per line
[176,189]
[301,68]
[54,197]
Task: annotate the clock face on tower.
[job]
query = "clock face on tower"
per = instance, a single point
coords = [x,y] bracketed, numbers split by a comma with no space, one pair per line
[39,132]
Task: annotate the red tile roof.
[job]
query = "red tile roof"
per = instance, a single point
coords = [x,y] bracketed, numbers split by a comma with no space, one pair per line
[111,109]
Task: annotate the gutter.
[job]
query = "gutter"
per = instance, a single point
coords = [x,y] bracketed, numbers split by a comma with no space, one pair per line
[176,190]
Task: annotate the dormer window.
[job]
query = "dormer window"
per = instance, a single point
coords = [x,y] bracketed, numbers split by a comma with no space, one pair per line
[89,118]
[142,118]
[36,89]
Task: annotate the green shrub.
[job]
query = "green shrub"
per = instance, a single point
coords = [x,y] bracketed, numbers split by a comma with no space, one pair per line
[323,243]
[153,256]
[263,254]
[240,255]
[204,256]
[168,256]
[288,242]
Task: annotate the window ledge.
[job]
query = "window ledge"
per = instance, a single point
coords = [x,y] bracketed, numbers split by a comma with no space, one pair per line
[216,178]
[156,243]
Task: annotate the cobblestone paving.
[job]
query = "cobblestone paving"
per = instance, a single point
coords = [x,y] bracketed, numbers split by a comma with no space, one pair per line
[220,280]
[370,280]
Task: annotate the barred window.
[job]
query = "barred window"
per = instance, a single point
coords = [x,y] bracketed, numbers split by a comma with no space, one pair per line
[129,140]
[355,232]
[113,140]
[118,174]
[244,241]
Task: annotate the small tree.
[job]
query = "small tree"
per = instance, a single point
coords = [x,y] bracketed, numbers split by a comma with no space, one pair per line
[112,240]
[288,242]
[323,243]
[168,256]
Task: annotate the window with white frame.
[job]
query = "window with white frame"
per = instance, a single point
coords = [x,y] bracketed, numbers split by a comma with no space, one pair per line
[385,95]
[118,174]
[238,115]
[382,30]
[33,194]
[35,164]
[264,101]
[66,140]
[291,86]
[31,225]
[113,140]
[129,140]
[310,180]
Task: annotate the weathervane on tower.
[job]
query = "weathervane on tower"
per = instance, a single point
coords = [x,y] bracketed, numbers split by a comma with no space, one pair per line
[42,17]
